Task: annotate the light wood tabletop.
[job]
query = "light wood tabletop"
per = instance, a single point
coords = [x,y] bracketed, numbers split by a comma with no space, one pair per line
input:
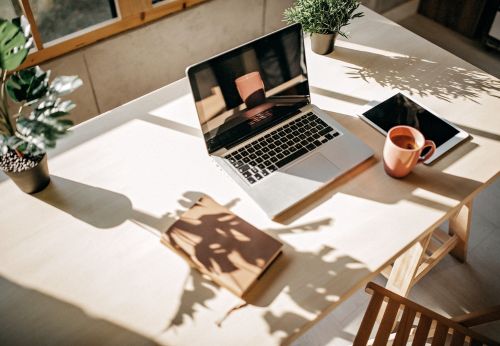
[82,260]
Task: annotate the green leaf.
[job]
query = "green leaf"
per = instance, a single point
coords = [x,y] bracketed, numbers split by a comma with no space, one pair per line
[39,129]
[57,114]
[14,142]
[64,124]
[28,85]
[322,16]
[42,132]
[64,85]
[66,106]
[13,50]
[45,105]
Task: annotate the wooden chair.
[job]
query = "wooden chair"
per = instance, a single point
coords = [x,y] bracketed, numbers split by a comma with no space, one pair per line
[416,324]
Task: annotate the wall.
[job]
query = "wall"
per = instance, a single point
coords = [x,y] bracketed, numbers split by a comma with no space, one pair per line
[381,6]
[124,67]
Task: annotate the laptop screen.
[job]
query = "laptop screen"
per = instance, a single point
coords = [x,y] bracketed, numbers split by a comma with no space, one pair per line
[249,89]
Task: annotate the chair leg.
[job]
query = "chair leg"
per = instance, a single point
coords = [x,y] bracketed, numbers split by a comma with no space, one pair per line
[479,317]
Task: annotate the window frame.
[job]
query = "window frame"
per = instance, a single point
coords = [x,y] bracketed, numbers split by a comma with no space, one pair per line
[130,14]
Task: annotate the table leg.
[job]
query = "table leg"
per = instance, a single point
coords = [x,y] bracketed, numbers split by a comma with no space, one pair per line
[406,266]
[404,271]
[459,224]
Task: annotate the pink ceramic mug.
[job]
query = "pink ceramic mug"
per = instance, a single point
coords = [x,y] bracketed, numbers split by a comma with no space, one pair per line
[251,89]
[403,149]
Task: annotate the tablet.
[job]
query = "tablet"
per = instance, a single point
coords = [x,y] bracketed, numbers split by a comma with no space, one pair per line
[402,110]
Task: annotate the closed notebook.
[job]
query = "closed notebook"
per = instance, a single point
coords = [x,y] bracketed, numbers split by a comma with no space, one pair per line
[229,250]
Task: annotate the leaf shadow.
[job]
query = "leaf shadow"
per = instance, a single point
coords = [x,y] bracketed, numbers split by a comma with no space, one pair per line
[290,275]
[410,74]
[289,278]
[31,317]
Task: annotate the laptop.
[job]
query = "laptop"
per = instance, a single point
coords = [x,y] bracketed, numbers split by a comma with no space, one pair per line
[259,125]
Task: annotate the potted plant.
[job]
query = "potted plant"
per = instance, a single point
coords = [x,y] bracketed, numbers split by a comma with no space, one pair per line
[31,110]
[323,19]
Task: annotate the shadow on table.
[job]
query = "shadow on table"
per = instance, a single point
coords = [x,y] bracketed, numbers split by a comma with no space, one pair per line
[99,207]
[30,317]
[481,133]
[446,83]
[310,294]
[290,274]
[338,96]
[424,186]
[140,109]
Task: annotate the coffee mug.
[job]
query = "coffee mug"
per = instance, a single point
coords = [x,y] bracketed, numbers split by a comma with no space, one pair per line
[403,149]
[251,89]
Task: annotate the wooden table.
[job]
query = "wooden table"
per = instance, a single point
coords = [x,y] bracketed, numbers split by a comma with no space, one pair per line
[81,261]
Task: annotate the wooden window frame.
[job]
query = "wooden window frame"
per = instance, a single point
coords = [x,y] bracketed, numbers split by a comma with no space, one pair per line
[130,14]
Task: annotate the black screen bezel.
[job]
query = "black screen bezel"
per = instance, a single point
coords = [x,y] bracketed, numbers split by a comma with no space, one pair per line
[444,127]
[192,70]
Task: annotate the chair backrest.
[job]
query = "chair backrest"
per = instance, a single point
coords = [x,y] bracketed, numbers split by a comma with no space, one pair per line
[429,325]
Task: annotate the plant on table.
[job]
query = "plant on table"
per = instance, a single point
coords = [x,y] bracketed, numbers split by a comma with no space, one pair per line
[323,19]
[38,120]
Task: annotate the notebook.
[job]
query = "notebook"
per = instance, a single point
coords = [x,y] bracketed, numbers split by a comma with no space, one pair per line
[221,245]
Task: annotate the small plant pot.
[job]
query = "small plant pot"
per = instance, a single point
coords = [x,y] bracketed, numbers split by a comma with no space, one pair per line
[323,43]
[34,179]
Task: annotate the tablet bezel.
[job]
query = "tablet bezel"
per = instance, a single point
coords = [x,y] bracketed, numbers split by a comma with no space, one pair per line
[442,149]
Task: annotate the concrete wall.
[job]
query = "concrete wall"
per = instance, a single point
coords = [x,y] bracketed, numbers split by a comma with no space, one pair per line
[126,66]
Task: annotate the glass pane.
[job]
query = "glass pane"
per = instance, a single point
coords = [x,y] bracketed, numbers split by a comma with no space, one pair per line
[10,9]
[58,18]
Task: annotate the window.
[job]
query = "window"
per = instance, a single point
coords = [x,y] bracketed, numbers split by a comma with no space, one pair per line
[60,26]
[59,18]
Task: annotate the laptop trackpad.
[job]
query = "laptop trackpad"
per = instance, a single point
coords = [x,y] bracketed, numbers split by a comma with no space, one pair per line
[316,167]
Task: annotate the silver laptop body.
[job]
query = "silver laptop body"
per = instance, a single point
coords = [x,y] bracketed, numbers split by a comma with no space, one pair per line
[260,127]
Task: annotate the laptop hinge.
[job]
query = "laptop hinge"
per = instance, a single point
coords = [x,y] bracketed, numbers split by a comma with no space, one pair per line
[219,152]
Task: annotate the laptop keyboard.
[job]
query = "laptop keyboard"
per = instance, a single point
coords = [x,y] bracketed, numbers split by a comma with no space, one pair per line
[265,155]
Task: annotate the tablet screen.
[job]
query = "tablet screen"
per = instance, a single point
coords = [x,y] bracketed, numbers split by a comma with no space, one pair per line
[400,110]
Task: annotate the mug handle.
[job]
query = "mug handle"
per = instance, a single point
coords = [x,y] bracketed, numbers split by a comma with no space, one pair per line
[430,144]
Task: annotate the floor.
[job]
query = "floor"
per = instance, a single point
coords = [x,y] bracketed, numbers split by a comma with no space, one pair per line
[451,288]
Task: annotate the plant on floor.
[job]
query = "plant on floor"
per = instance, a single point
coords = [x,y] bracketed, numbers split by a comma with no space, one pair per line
[323,16]
[38,121]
